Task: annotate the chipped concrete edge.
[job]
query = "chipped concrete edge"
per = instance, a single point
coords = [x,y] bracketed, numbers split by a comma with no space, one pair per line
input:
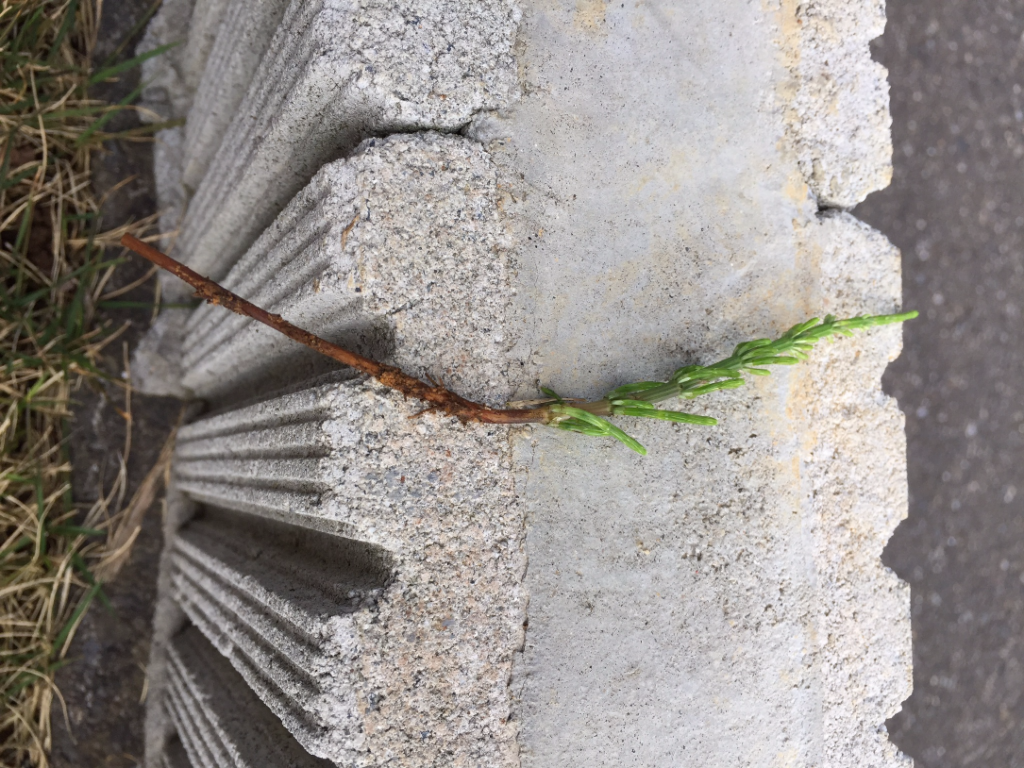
[836,99]
[854,494]
[835,108]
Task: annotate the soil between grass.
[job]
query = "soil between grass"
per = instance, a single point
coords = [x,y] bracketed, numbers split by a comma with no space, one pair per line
[104,683]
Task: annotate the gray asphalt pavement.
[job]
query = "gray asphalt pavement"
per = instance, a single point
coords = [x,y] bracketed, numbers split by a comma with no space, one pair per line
[956,209]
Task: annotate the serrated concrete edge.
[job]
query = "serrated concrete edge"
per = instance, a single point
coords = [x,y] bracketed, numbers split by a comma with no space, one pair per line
[221,723]
[431,643]
[836,99]
[856,495]
[243,36]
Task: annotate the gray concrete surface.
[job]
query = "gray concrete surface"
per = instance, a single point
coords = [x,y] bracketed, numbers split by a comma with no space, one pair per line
[362,256]
[222,724]
[344,468]
[241,41]
[669,217]
[956,210]
[836,97]
[334,73]
[643,203]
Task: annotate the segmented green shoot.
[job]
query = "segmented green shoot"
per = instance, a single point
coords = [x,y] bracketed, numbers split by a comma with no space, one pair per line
[587,418]
[692,381]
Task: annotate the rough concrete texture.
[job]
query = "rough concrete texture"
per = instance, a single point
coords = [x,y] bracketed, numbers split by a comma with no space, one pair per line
[220,722]
[856,492]
[722,602]
[168,156]
[365,254]
[643,205]
[838,97]
[166,97]
[242,39]
[165,92]
[170,81]
[334,73]
[280,613]
[424,500]
[658,222]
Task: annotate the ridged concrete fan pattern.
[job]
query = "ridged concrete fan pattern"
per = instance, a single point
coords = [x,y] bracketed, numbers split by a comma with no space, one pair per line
[499,195]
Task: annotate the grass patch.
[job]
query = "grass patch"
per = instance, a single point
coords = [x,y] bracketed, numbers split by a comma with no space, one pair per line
[53,274]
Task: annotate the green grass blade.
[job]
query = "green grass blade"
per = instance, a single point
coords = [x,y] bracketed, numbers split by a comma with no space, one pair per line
[130,36]
[75,530]
[62,636]
[108,116]
[65,27]
[115,69]
[26,39]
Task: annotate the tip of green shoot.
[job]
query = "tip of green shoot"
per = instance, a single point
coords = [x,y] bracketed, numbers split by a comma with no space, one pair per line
[889,319]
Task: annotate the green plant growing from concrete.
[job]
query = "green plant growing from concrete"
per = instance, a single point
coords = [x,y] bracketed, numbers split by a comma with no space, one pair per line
[586,417]
[692,381]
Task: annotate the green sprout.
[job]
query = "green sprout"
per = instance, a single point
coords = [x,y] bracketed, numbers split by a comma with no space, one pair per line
[692,381]
[587,418]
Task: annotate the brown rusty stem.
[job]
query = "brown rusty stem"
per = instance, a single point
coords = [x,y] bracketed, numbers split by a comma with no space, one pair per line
[439,398]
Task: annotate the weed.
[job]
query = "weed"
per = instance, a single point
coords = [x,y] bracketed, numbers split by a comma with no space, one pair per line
[587,418]
[51,282]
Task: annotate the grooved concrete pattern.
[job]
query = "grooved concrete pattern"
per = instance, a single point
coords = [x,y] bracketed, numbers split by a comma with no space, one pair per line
[633,188]
[365,255]
[332,74]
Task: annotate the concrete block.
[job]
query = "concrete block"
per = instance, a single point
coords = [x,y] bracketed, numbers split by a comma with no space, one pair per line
[156,361]
[292,643]
[643,205]
[242,40]
[836,98]
[171,79]
[168,155]
[336,491]
[857,494]
[165,95]
[709,234]
[366,254]
[333,74]
[220,721]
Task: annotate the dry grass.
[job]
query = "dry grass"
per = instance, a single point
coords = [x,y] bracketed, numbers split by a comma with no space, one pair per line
[52,281]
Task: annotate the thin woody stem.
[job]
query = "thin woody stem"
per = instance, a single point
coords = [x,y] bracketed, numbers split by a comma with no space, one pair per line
[439,398]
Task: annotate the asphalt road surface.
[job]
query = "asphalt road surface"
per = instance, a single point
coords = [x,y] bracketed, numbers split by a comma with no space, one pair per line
[956,210]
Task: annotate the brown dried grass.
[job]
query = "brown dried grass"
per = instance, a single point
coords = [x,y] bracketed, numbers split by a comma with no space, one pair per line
[53,275]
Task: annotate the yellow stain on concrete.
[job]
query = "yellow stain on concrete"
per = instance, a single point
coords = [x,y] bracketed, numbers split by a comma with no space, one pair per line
[590,16]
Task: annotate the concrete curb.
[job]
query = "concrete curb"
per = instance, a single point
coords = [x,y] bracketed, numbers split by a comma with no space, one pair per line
[628,188]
